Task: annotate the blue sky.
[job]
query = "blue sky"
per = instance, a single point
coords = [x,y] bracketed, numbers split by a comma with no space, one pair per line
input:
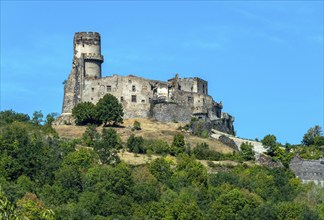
[263,59]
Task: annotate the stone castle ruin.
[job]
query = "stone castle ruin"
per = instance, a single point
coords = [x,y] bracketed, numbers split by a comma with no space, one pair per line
[308,170]
[177,99]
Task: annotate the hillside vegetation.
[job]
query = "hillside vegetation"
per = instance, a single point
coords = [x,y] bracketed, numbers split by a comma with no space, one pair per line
[75,172]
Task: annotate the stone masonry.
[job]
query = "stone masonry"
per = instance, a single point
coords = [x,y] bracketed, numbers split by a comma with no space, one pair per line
[308,170]
[177,99]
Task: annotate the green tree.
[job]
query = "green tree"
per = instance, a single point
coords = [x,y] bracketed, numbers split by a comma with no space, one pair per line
[270,143]
[85,113]
[247,151]
[178,144]
[235,204]
[161,170]
[9,116]
[7,209]
[109,110]
[37,117]
[183,211]
[30,207]
[189,172]
[90,136]
[311,135]
[83,159]
[107,147]
[202,151]
[136,144]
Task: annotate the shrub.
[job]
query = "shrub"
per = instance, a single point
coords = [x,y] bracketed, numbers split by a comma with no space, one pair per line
[137,125]
[85,113]
[136,144]
[247,151]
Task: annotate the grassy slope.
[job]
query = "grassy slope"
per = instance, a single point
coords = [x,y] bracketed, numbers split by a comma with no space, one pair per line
[150,130]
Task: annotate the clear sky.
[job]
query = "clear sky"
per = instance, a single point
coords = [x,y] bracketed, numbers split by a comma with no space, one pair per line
[263,59]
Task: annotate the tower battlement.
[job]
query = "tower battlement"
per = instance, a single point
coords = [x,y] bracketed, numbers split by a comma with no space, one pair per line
[87,38]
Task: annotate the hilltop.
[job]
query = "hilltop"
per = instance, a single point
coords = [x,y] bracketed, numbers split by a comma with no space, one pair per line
[150,129]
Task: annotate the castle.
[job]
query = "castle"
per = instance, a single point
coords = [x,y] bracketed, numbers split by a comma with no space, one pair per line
[177,99]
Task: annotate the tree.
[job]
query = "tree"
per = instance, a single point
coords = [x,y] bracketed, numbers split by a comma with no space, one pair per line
[247,151]
[235,204]
[270,143]
[7,209]
[107,147]
[109,110]
[178,144]
[85,113]
[90,136]
[201,151]
[161,170]
[37,117]
[311,135]
[136,144]
[30,207]
[9,116]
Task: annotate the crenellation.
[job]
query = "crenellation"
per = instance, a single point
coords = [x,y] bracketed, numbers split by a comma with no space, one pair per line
[177,99]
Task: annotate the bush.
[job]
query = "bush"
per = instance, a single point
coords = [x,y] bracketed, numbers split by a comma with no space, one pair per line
[85,113]
[178,144]
[136,144]
[137,125]
[247,151]
[157,146]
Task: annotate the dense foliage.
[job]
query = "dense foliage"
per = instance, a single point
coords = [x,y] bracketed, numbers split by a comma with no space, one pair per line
[45,177]
[107,111]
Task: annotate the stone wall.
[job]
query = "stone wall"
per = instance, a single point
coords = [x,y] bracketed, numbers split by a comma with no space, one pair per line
[170,112]
[308,170]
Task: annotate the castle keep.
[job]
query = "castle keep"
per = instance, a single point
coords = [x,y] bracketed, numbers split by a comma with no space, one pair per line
[177,99]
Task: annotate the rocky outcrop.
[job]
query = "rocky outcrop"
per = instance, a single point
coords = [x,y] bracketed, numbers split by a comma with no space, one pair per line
[224,124]
[228,141]
[267,161]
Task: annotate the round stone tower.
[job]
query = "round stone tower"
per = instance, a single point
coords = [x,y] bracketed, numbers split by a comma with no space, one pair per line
[87,46]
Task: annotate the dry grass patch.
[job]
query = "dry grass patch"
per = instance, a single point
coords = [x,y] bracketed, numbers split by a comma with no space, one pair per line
[149,130]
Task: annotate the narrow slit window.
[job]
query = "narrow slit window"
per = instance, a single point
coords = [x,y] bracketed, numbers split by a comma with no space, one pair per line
[108,88]
[134,98]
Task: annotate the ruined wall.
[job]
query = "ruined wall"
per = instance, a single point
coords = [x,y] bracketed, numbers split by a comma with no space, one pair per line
[195,85]
[308,170]
[170,112]
[133,92]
